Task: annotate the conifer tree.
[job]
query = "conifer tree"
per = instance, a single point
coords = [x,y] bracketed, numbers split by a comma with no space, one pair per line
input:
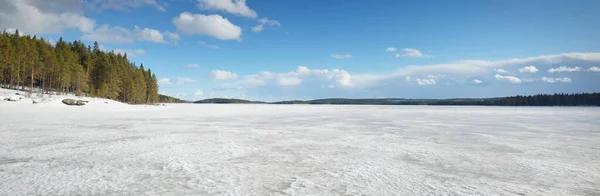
[28,61]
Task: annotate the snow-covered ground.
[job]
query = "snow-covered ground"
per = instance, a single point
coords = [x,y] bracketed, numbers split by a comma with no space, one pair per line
[184,149]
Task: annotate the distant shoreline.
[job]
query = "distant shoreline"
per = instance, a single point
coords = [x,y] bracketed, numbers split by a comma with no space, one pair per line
[579,99]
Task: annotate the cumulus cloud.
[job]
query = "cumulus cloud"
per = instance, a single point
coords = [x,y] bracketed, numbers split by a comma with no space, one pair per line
[594,69]
[409,52]
[210,46]
[108,34]
[178,81]
[199,93]
[553,80]
[223,75]
[258,28]
[172,37]
[510,79]
[426,81]
[147,34]
[164,81]
[302,75]
[564,69]
[212,25]
[474,72]
[44,17]
[472,67]
[528,69]
[237,7]
[391,49]
[503,71]
[341,56]
[130,53]
[288,81]
[125,5]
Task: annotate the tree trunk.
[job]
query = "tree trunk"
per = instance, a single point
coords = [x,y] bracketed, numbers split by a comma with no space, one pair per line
[32,73]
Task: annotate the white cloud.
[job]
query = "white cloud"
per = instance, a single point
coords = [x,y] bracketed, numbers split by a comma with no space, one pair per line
[342,77]
[564,69]
[192,66]
[209,45]
[553,80]
[125,4]
[528,69]
[510,79]
[44,17]
[223,75]
[212,25]
[288,81]
[172,37]
[258,28]
[471,67]
[594,69]
[151,35]
[409,52]
[199,93]
[108,34]
[130,53]
[179,81]
[164,81]
[503,71]
[425,82]
[341,56]
[446,74]
[476,81]
[391,49]
[237,7]
[335,77]
[266,21]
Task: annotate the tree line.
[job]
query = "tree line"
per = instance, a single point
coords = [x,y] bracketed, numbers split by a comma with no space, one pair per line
[73,67]
[558,99]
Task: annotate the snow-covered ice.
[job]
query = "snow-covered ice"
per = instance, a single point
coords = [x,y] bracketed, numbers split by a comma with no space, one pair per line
[184,149]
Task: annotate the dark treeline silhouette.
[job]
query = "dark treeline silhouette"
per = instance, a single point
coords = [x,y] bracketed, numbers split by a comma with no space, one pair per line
[28,61]
[226,101]
[579,99]
[169,99]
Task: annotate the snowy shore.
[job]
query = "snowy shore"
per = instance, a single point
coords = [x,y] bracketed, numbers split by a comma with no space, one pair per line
[110,148]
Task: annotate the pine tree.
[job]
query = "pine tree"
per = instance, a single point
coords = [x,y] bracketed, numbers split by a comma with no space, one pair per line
[74,68]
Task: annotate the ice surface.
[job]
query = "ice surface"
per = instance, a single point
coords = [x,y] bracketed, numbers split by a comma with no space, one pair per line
[183,149]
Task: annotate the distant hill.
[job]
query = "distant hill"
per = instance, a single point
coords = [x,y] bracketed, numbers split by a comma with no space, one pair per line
[227,101]
[578,99]
[394,101]
[168,99]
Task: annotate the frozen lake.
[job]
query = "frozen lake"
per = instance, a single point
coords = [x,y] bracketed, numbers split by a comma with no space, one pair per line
[298,150]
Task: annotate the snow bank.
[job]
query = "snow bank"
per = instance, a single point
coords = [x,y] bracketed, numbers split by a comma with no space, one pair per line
[24,98]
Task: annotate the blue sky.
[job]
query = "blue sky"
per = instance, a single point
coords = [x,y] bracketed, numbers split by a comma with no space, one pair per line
[278,50]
